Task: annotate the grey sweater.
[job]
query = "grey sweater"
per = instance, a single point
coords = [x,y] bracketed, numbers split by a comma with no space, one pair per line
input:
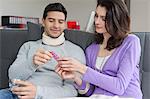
[49,83]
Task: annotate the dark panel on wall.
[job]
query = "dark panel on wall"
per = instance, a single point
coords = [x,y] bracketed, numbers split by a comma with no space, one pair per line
[127,2]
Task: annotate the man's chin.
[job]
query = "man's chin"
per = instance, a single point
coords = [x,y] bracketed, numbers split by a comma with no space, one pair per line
[54,36]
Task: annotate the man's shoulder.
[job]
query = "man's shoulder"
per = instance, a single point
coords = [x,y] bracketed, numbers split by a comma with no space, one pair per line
[73,45]
[33,42]
[75,51]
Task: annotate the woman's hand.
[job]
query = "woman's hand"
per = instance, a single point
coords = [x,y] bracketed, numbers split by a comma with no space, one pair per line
[70,64]
[65,74]
[41,57]
[75,76]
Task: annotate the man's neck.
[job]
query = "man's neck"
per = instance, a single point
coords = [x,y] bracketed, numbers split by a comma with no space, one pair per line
[53,41]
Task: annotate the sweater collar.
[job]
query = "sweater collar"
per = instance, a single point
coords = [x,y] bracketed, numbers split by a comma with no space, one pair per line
[53,41]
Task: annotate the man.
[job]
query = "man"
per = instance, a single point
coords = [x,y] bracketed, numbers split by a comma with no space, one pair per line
[34,69]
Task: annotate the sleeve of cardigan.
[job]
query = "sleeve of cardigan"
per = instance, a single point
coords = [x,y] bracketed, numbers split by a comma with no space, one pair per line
[86,88]
[125,72]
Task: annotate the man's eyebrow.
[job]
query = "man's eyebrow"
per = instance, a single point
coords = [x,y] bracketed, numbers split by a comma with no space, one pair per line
[55,19]
[61,20]
[51,18]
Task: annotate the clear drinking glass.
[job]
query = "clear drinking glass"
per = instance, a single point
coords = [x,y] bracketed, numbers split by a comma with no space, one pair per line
[12,83]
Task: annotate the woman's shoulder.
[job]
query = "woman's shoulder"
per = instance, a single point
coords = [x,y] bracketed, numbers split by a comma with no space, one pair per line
[130,40]
[92,47]
[132,37]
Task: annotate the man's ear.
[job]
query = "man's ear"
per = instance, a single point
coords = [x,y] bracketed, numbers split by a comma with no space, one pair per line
[65,24]
[43,22]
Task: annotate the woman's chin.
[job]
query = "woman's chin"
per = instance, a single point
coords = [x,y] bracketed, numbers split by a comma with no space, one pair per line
[100,32]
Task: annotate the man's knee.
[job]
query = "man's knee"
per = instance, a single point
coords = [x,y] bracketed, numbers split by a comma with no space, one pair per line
[5,94]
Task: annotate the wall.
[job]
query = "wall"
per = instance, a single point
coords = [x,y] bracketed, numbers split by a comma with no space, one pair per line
[140,15]
[28,8]
[77,9]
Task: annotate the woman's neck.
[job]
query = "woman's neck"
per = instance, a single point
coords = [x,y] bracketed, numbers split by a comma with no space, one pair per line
[106,38]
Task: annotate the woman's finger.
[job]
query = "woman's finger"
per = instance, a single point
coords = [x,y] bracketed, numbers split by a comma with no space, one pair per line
[67,69]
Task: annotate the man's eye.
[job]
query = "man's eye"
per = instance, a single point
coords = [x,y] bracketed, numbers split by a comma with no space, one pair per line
[61,22]
[50,20]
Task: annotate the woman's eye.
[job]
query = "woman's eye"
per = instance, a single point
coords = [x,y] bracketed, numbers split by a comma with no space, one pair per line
[96,16]
[103,19]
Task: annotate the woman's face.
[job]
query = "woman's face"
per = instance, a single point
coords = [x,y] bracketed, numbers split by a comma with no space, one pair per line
[99,19]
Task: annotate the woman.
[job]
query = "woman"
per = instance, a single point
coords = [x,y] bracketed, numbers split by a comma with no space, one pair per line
[112,61]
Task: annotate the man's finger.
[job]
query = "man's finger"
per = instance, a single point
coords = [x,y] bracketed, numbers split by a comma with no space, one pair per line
[25,97]
[22,83]
[48,53]
[43,60]
[19,89]
[21,93]
[57,69]
[41,50]
[64,58]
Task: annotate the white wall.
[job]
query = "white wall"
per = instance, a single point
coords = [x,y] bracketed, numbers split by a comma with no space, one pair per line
[140,15]
[27,8]
[78,10]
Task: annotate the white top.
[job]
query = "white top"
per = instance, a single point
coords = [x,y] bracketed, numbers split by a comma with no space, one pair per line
[100,62]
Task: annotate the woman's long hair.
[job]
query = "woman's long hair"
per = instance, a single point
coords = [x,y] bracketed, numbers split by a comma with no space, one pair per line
[117,22]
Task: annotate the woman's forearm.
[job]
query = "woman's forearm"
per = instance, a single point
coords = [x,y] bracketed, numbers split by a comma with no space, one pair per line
[78,81]
[83,69]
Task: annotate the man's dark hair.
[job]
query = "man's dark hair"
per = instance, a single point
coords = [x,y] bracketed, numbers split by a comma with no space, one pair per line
[117,22]
[54,7]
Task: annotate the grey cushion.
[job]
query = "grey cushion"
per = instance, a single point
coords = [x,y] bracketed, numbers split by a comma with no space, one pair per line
[81,38]
[10,41]
[146,85]
[146,56]
[142,41]
[35,31]
[145,63]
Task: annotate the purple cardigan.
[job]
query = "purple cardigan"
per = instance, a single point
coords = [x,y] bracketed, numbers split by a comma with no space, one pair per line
[120,74]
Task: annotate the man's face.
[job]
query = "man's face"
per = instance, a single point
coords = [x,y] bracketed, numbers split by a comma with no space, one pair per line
[54,24]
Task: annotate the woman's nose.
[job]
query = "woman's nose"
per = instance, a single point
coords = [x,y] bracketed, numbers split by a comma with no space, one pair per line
[98,21]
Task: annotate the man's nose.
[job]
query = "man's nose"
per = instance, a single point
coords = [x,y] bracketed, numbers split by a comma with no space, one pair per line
[56,24]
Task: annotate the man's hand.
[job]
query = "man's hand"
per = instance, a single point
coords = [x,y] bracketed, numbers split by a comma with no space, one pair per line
[41,57]
[25,90]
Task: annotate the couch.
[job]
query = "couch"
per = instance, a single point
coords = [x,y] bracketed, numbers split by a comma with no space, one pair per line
[11,40]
